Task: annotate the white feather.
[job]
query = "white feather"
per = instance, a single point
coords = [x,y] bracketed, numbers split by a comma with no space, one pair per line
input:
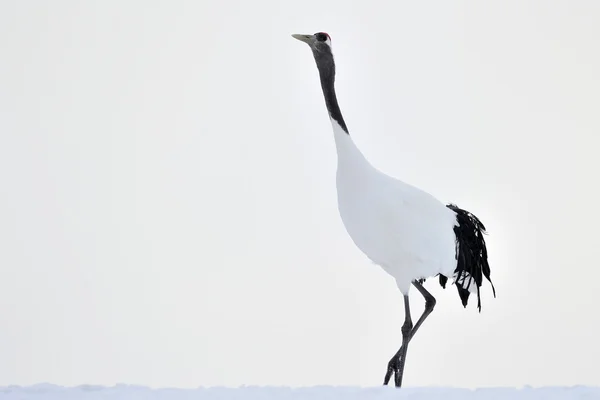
[399,227]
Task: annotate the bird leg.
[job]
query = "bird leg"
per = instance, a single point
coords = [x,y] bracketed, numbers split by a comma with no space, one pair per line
[396,364]
[429,305]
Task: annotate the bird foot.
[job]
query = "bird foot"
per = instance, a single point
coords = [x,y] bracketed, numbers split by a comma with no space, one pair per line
[394,366]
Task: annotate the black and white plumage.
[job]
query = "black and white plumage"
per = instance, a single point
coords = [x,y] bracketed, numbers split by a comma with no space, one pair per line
[406,231]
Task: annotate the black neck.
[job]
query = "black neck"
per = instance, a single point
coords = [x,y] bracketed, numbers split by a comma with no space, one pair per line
[326,67]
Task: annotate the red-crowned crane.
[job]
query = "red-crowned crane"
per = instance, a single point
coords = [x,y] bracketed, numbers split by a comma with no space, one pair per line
[406,231]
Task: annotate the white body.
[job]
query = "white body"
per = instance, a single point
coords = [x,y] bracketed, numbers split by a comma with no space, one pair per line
[401,228]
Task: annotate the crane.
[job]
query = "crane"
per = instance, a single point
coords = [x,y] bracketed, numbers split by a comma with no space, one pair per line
[406,231]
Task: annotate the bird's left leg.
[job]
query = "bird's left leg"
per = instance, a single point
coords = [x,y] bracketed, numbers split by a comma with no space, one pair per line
[396,364]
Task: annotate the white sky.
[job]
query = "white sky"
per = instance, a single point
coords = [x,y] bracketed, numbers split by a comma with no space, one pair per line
[168,212]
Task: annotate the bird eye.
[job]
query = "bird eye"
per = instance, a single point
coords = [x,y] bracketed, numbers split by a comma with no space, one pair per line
[321,37]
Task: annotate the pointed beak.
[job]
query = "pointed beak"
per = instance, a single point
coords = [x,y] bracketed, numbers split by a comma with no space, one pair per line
[308,39]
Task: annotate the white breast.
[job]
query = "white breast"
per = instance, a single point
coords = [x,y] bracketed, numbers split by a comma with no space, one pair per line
[399,227]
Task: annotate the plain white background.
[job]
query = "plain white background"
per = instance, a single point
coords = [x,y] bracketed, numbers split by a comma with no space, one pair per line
[168,212]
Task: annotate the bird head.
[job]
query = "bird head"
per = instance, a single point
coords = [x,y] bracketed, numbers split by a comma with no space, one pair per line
[320,44]
[320,41]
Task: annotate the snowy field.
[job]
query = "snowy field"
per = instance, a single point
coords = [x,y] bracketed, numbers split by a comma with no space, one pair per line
[122,392]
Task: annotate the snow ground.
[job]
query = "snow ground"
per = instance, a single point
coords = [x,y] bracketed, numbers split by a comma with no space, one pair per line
[119,392]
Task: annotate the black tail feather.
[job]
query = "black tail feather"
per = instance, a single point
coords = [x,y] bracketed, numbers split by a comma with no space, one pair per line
[471,255]
[443,281]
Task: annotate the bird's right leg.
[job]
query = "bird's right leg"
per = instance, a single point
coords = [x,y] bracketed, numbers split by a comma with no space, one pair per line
[429,305]
[396,364]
